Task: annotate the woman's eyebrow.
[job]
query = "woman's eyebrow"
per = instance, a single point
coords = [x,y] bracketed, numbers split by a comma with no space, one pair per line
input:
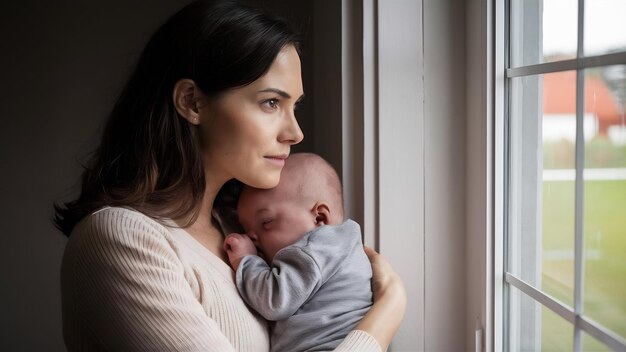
[282,93]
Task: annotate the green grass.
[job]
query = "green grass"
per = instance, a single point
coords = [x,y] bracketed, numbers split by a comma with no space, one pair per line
[604,271]
[599,152]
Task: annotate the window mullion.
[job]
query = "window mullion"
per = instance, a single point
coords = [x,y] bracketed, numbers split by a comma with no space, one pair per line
[579,209]
[617,58]
[579,183]
[500,174]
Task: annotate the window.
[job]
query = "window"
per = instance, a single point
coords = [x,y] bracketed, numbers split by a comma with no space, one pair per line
[565,176]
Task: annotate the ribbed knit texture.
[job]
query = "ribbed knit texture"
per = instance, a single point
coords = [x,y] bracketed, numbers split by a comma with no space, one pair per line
[131,284]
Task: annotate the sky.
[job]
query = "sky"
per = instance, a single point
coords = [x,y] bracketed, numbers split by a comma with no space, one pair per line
[604,29]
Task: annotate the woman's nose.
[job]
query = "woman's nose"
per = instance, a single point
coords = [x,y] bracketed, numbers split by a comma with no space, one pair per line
[291,132]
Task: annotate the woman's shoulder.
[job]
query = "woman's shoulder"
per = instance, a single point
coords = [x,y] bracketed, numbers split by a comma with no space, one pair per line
[118,224]
[121,214]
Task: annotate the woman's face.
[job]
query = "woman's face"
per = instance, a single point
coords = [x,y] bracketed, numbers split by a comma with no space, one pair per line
[246,133]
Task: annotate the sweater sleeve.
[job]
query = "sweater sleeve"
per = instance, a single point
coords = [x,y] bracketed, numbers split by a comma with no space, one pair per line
[358,340]
[130,290]
[278,291]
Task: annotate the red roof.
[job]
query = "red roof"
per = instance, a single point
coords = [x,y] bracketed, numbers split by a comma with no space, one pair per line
[559,97]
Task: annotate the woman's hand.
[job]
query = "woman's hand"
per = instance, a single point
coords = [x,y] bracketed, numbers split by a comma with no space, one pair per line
[384,318]
[384,277]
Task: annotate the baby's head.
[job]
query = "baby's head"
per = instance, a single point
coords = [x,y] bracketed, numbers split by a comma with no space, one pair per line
[308,195]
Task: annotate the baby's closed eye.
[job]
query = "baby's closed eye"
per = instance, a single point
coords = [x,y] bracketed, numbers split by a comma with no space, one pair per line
[267,223]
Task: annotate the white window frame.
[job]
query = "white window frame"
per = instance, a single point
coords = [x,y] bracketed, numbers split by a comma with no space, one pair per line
[485,160]
[382,182]
[574,316]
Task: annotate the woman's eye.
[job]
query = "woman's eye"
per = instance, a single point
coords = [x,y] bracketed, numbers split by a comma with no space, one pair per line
[271,103]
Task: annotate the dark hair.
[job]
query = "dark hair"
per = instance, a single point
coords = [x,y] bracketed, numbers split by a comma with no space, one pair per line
[148,158]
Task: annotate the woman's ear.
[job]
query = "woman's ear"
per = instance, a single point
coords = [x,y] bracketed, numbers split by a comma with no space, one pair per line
[321,211]
[185,97]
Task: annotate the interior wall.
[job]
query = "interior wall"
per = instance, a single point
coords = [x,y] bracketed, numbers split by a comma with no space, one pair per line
[301,16]
[477,302]
[62,65]
[326,90]
[444,167]
[401,159]
[416,80]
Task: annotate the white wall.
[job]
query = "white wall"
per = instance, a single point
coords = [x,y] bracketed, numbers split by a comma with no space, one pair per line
[402,159]
[476,181]
[444,180]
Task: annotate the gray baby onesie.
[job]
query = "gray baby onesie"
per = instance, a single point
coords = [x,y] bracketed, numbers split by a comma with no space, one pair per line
[316,290]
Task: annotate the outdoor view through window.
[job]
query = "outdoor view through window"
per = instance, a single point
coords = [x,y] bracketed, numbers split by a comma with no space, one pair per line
[565,176]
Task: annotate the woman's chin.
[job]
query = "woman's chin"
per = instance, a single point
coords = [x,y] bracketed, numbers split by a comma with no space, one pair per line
[269,181]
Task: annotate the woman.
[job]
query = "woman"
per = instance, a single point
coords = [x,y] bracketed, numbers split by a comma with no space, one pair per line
[211,102]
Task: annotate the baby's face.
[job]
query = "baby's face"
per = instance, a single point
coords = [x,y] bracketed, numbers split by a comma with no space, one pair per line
[272,219]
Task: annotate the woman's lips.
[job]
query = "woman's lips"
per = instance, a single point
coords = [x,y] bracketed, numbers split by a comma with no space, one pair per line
[277,160]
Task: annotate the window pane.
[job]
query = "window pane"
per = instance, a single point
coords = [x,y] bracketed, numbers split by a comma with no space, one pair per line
[591,344]
[534,327]
[603,33]
[605,198]
[541,182]
[543,31]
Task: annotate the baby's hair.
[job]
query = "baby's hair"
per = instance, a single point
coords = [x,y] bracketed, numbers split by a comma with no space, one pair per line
[316,179]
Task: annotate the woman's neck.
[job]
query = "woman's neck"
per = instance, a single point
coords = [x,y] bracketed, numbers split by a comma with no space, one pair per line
[203,229]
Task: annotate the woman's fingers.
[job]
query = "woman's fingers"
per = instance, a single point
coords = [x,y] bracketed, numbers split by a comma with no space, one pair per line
[384,277]
[370,252]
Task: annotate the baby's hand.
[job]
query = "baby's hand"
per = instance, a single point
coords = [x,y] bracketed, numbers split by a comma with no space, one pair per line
[238,246]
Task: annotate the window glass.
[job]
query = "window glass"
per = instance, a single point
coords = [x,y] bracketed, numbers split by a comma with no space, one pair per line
[605,198]
[541,189]
[591,344]
[603,26]
[537,328]
[543,31]
[542,159]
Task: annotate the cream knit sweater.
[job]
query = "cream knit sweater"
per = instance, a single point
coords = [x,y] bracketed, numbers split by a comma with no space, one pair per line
[131,284]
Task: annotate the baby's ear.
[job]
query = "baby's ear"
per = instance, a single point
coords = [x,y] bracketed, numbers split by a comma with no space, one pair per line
[321,212]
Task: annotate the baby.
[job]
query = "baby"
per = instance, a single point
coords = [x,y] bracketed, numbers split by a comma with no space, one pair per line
[314,280]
